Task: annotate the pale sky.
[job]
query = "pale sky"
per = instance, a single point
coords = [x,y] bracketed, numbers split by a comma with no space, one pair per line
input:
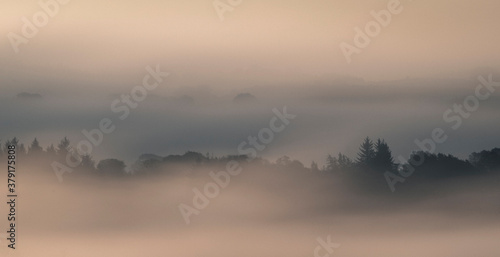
[105,42]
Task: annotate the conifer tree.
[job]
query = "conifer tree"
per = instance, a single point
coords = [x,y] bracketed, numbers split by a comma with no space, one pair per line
[383,160]
[35,148]
[366,153]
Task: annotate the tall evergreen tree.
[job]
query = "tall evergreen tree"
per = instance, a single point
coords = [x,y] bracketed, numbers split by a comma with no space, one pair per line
[331,163]
[35,148]
[344,162]
[14,142]
[63,147]
[339,163]
[366,153]
[21,150]
[383,160]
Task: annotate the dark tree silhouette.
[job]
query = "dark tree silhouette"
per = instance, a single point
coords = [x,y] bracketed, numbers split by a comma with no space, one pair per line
[331,163]
[383,160]
[111,167]
[13,141]
[344,162]
[188,157]
[339,163]
[63,147]
[440,165]
[366,154]
[486,160]
[21,150]
[35,149]
[244,98]
[371,157]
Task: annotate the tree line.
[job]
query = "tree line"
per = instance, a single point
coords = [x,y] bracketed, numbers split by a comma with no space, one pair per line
[373,157]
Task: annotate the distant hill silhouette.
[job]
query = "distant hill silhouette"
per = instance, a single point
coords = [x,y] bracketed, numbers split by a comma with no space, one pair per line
[244,98]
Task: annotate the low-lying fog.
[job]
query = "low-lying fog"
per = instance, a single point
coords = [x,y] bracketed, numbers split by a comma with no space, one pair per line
[262,213]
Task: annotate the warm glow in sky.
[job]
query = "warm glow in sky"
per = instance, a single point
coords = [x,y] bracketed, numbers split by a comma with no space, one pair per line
[259,40]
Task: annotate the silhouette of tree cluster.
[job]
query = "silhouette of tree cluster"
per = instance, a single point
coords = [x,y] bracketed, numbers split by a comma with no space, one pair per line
[376,157]
[37,153]
[111,167]
[486,160]
[373,158]
[339,163]
[438,166]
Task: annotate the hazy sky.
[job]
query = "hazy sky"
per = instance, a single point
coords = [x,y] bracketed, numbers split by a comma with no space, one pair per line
[100,48]
[108,44]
